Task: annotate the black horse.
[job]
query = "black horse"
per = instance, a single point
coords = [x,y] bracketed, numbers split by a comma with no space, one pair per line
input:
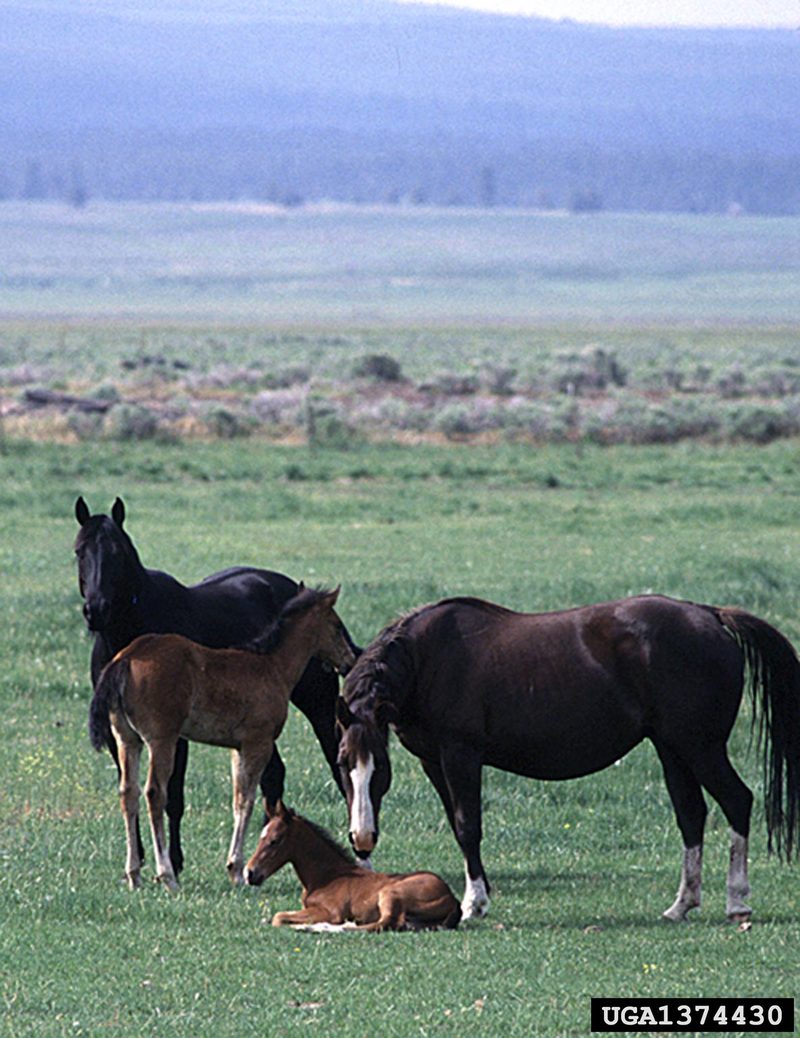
[558,695]
[122,600]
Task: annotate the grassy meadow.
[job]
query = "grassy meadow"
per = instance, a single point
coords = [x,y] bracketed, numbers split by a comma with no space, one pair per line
[365,266]
[581,870]
[225,340]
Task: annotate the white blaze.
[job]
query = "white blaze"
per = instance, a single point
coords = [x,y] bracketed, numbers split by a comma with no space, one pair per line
[362,818]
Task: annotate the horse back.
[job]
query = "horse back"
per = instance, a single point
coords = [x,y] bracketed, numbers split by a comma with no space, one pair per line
[560,694]
[217,696]
[227,608]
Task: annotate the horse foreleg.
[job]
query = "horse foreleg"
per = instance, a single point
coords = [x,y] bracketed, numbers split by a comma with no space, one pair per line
[306,917]
[315,696]
[461,772]
[127,756]
[690,811]
[272,780]
[176,803]
[247,766]
[162,757]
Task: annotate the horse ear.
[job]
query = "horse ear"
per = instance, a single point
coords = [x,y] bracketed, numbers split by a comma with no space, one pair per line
[344,715]
[301,586]
[386,713]
[82,512]
[118,512]
[333,596]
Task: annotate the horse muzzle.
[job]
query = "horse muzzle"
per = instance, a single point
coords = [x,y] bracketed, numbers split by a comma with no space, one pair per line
[253,878]
[364,842]
[96,616]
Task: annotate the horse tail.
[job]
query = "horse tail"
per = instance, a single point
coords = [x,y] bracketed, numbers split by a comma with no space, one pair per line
[774,672]
[107,696]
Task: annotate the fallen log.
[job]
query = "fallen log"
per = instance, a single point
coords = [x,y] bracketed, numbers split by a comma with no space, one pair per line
[51,398]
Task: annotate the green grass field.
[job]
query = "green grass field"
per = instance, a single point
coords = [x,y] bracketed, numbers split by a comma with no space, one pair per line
[581,870]
[182,307]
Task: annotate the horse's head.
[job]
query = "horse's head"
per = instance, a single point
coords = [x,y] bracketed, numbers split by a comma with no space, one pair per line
[366,775]
[107,564]
[332,643]
[274,846]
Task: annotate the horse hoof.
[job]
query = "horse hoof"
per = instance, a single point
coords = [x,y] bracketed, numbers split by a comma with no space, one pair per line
[474,909]
[740,917]
[167,881]
[673,916]
[134,880]
[475,903]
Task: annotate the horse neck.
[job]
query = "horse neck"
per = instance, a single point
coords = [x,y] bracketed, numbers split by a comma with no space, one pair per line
[132,620]
[314,860]
[292,655]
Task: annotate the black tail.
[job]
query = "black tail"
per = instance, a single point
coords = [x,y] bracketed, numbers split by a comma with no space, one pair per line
[107,695]
[774,671]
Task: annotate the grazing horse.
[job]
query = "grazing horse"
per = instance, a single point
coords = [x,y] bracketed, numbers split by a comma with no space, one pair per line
[337,891]
[123,600]
[558,695]
[163,687]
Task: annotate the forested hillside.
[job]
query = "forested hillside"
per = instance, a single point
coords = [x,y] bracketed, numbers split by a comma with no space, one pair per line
[377,101]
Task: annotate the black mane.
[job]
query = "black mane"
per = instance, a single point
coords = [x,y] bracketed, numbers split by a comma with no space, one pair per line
[377,685]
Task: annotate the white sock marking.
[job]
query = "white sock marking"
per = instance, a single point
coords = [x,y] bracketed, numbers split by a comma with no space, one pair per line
[476,899]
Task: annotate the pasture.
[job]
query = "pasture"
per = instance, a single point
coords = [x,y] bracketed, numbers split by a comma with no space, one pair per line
[186,310]
[324,266]
[581,870]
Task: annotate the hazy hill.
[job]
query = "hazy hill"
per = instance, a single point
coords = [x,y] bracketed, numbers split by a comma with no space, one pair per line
[374,100]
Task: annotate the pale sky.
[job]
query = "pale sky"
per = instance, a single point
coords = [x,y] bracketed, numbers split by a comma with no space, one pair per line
[770,13]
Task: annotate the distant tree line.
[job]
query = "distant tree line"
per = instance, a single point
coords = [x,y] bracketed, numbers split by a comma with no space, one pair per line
[291,169]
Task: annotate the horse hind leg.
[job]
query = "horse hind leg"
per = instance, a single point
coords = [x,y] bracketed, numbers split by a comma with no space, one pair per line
[128,756]
[162,756]
[690,811]
[391,914]
[723,783]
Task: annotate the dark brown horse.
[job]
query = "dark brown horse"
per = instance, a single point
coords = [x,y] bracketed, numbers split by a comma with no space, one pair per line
[465,683]
[337,891]
[163,687]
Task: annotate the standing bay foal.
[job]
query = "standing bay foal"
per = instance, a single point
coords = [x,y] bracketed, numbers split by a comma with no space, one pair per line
[164,687]
[337,891]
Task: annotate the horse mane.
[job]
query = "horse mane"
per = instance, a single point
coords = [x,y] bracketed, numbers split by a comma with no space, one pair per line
[271,638]
[330,842]
[375,687]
